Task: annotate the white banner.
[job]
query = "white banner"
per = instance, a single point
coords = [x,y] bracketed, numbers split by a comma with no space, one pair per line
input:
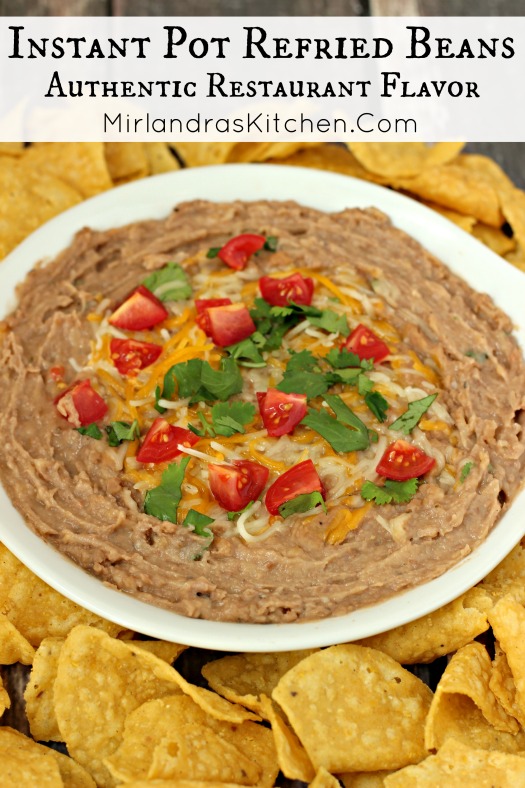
[245,79]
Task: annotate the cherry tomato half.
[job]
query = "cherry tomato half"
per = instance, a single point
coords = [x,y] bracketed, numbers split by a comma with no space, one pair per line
[403,460]
[140,310]
[235,485]
[279,292]
[202,305]
[237,251]
[365,344]
[281,412]
[229,324]
[130,356]
[299,480]
[161,442]
[80,404]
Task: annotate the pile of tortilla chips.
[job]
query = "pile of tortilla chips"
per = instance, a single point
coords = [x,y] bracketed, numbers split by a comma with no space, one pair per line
[349,714]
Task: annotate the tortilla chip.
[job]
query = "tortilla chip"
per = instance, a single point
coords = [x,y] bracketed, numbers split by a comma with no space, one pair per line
[502,685]
[162,649]
[513,207]
[459,766]
[332,158]
[457,188]
[403,159]
[466,223]
[517,258]
[160,158]
[13,646]
[496,240]
[243,678]
[364,779]
[5,701]
[99,681]
[508,623]
[202,154]
[26,763]
[324,779]
[262,151]
[291,755]
[11,148]
[194,752]
[126,161]
[36,609]
[508,577]
[217,707]
[436,634]
[39,691]
[154,723]
[28,199]
[464,707]
[80,164]
[72,773]
[335,698]
[492,172]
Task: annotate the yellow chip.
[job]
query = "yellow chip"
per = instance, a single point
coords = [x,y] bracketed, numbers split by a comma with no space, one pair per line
[502,685]
[99,681]
[13,645]
[441,632]
[332,158]
[160,158]
[5,701]
[355,709]
[126,161]
[403,159]
[485,166]
[194,752]
[262,151]
[243,678]
[466,223]
[508,623]
[324,779]
[80,164]
[155,721]
[214,705]
[364,779]
[11,148]
[38,694]
[72,773]
[36,609]
[459,766]
[202,154]
[25,763]
[496,240]
[464,707]
[161,648]
[513,207]
[291,755]
[28,199]
[179,784]
[508,577]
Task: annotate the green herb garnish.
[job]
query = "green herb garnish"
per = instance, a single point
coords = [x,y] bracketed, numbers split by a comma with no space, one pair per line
[227,419]
[162,501]
[91,430]
[119,431]
[302,503]
[341,438]
[169,283]
[391,492]
[271,243]
[466,469]
[213,252]
[377,404]
[247,353]
[233,515]
[410,418]
[199,381]
[198,523]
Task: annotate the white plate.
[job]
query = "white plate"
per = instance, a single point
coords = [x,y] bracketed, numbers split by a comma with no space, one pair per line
[153,198]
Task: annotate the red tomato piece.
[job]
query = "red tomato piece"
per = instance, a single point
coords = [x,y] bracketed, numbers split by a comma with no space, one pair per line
[80,404]
[299,480]
[403,460]
[202,305]
[229,324]
[57,373]
[279,292]
[281,412]
[162,440]
[235,485]
[365,344]
[130,356]
[237,251]
[140,310]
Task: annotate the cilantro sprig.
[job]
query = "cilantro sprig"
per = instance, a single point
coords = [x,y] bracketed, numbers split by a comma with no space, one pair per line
[227,418]
[346,432]
[302,503]
[119,431]
[410,418]
[198,380]
[162,502]
[390,492]
[169,283]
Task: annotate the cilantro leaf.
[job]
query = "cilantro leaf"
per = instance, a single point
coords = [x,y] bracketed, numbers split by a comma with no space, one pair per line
[466,470]
[303,361]
[340,437]
[477,355]
[197,379]
[340,359]
[364,385]
[247,353]
[377,404]
[272,326]
[271,243]
[391,492]
[224,382]
[198,523]
[119,431]
[231,417]
[169,283]
[302,503]
[310,383]
[91,430]
[213,252]
[162,501]
[347,416]
[330,321]
[233,515]
[410,418]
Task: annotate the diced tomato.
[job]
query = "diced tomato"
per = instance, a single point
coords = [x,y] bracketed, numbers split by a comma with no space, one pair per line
[403,460]
[57,373]
[162,440]
[202,305]
[130,356]
[237,251]
[281,412]
[365,344]
[299,480]
[235,485]
[229,324]
[140,310]
[279,292]
[80,404]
